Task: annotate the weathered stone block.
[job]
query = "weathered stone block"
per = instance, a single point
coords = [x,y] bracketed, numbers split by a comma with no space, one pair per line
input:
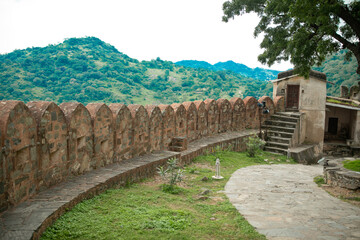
[180,119]
[252,112]
[168,123]
[19,162]
[225,115]
[178,144]
[124,134]
[191,120]
[52,136]
[156,127]
[238,114]
[80,137]
[279,103]
[141,130]
[212,110]
[202,126]
[103,127]
[269,106]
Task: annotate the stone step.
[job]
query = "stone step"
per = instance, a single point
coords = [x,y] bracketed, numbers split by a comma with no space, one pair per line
[275,150]
[284,118]
[279,139]
[281,123]
[277,145]
[280,134]
[280,129]
[289,114]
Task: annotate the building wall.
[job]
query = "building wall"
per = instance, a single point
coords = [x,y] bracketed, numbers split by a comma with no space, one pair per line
[312,100]
[344,119]
[70,139]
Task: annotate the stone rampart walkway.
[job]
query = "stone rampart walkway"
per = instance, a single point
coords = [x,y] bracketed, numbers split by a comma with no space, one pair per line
[29,219]
[282,202]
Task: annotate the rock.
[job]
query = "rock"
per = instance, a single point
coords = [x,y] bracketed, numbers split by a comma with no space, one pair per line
[266,160]
[205,179]
[202,198]
[205,191]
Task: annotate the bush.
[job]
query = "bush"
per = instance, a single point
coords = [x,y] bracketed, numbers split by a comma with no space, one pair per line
[172,174]
[253,145]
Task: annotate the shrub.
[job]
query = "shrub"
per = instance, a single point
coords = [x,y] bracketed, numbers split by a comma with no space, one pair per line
[253,144]
[172,174]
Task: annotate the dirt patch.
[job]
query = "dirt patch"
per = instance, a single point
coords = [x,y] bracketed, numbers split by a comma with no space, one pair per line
[350,196]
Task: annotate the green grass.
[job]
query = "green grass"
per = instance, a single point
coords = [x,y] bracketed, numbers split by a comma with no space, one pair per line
[143,211]
[319,180]
[352,165]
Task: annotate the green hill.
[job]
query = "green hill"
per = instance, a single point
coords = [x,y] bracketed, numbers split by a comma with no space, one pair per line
[89,70]
[255,73]
[339,72]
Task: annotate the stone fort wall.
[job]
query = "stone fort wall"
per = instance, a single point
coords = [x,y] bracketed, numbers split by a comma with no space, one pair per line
[43,144]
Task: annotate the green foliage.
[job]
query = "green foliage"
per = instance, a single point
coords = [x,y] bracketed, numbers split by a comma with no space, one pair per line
[143,211]
[339,72]
[319,180]
[172,174]
[90,70]
[352,165]
[303,31]
[253,145]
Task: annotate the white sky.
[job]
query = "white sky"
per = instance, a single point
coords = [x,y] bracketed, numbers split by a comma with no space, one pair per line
[173,30]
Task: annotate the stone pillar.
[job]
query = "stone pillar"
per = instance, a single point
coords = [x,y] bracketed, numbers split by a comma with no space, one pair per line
[156,127]
[103,127]
[19,153]
[269,105]
[238,114]
[123,131]
[180,119]
[169,125]
[141,130]
[52,138]
[191,121]
[202,128]
[225,115]
[279,103]
[80,137]
[212,110]
[252,112]
[344,91]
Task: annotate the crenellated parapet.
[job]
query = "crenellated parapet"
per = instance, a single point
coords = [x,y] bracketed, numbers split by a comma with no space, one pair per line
[43,144]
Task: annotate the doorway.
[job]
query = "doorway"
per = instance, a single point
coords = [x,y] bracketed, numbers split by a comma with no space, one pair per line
[292,98]
[333,126]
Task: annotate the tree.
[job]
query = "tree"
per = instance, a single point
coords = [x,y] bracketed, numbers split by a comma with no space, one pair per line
[304,31]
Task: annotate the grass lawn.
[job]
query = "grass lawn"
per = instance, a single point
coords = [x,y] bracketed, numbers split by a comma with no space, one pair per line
[143,211]
[352,165]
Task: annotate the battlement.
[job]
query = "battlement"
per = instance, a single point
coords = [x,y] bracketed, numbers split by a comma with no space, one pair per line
[43,144]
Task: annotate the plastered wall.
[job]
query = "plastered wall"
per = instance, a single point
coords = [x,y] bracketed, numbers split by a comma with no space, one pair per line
[43,144]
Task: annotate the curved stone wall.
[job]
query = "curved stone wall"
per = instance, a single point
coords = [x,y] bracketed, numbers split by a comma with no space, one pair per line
[43,144]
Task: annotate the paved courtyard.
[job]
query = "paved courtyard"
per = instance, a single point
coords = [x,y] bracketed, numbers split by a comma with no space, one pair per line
[282,202]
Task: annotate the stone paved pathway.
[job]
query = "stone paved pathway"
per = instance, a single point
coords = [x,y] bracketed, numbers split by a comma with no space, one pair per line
[282,202]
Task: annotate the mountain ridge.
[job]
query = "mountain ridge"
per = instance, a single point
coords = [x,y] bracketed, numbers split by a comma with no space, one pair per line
[90,70]
[257,73]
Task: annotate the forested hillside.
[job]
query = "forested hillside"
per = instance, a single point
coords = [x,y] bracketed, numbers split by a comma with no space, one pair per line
[339,72]
[89,70]
[256,73]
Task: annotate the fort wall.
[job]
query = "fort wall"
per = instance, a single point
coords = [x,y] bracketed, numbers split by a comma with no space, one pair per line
[43,144]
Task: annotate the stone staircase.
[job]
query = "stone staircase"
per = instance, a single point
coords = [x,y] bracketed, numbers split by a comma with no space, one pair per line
[280,130]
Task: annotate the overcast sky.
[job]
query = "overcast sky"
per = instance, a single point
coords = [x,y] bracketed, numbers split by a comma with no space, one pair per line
[143,29]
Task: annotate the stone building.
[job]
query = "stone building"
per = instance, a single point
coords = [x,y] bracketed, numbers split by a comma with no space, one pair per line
[308,97]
